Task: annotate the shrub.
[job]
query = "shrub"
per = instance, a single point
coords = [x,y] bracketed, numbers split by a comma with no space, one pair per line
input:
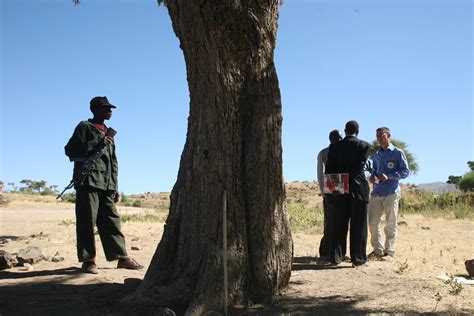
[458,205]
[137,203]
[303,217]
[467,182]
[69,197]
[147,217]
[124,198]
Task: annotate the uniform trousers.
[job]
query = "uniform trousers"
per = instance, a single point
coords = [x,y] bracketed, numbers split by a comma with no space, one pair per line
[97,207]
[345,210]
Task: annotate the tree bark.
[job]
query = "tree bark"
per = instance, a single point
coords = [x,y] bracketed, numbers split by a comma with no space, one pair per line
[233,144]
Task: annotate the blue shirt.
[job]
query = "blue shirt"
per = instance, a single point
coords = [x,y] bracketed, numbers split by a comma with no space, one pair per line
[393,162]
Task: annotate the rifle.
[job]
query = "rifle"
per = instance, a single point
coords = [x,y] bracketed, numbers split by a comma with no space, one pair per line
[86,167]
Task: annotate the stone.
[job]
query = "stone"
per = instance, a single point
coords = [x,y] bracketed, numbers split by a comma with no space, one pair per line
[57,259]
[27,267]
[470,267]
[7,260]
[30,255]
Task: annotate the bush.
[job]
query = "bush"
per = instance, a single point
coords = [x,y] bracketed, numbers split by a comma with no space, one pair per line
[303,217]
[467,182]
[69,197]
[458,205]
[147,217]
[137,203]
[124,198]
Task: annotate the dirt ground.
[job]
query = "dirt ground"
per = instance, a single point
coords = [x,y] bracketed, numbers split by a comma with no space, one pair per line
[427,247]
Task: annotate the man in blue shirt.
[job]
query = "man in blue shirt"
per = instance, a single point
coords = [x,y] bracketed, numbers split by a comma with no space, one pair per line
[389,166]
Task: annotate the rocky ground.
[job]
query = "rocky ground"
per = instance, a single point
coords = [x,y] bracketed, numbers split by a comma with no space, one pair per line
[427,248]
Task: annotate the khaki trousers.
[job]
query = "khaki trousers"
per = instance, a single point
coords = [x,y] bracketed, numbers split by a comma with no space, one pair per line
[379,206]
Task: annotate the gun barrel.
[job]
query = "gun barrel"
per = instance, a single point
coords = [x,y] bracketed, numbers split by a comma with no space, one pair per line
[70,185]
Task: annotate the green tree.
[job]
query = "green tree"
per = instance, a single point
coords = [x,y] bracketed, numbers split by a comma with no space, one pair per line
[471,165]
[27,185]
[49,190]
[14,187]
[467,182]
[38,185]
[228,214]
[31,185]
[412,164]
[231,164]
[454,179]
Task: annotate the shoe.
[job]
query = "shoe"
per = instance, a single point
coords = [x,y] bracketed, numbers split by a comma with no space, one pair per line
[360,265]
[90,267]
[374,256]
[386,257]
[127,263]
[324,260]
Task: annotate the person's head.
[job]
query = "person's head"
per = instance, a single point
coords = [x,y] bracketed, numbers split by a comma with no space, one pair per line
[334,136]
[101,108]
[352,128]
[383,136]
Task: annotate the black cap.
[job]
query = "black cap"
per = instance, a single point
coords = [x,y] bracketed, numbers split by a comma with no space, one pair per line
[101,101]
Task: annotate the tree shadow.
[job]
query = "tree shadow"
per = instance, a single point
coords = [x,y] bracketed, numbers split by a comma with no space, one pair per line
[5,275]
[330,305]
[56,298]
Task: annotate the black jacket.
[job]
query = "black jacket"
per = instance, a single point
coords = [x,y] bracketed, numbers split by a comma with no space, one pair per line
[104,171]
[349,156]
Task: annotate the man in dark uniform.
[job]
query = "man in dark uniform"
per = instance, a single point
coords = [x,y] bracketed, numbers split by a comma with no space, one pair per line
[349,156]
[97,192]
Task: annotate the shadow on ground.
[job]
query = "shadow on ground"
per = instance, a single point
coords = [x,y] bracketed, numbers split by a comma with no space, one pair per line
[57,297]
[54,297]
[313,263]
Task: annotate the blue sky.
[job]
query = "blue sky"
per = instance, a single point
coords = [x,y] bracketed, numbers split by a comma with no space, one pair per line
[403,64]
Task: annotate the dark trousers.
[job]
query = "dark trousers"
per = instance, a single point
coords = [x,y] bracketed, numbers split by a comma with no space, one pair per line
[324,246]
[345,210]
[97,207]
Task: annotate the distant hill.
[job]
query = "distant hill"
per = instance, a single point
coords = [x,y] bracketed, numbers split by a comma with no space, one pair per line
[438,187]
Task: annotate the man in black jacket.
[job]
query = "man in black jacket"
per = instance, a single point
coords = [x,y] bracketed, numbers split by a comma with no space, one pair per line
[349,156]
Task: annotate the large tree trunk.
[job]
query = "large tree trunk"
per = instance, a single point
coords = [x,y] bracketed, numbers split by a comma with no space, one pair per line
[233,145]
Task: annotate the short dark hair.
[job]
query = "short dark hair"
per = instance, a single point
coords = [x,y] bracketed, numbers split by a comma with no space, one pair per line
[383,129]
[334,136]
[352,127]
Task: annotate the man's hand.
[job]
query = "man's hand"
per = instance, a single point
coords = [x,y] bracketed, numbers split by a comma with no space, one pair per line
[117,197]
[383,177]
[372,179]
[377,179]
[108,140]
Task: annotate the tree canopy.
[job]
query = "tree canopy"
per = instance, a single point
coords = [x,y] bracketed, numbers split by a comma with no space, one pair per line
[412,164]
[465,182]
